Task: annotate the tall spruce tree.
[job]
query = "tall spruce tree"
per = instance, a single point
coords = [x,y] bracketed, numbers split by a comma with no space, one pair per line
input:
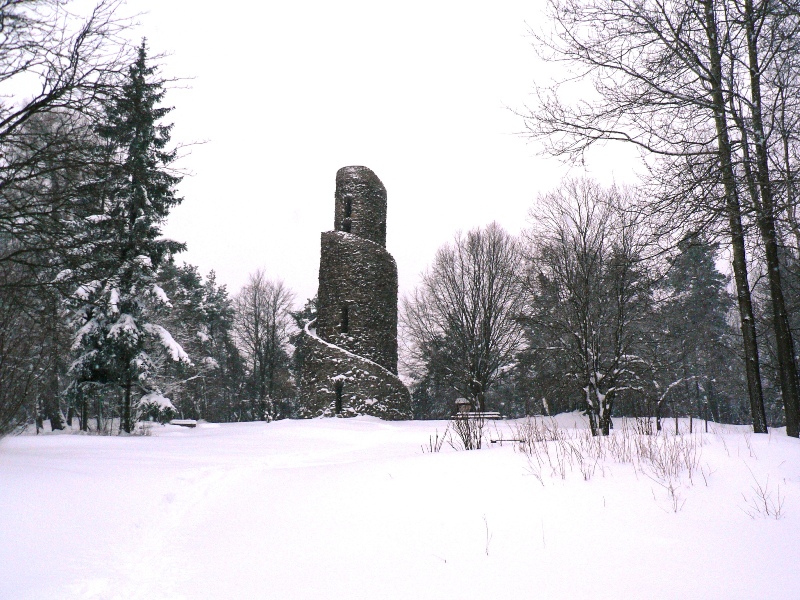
[202,321]
[118,341]
[224,389]
[689,346]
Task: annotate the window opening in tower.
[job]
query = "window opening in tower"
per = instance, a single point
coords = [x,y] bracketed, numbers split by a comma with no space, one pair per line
[345,319]
[339,388]
[348,212]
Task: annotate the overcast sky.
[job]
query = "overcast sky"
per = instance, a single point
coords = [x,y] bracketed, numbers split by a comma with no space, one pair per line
[285,93]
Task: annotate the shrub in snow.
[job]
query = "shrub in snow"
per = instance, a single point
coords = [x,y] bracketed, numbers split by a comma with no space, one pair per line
[665,459]
[470,432]
[156,407]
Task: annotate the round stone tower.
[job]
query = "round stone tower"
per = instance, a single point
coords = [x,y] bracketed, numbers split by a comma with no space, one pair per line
[350,361]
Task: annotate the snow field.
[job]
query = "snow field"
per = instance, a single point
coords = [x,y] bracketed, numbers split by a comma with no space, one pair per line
[353,508]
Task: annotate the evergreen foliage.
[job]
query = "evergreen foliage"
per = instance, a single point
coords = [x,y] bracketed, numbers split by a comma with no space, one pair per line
[690,346]
[118,340]
[202,321]
[698,312]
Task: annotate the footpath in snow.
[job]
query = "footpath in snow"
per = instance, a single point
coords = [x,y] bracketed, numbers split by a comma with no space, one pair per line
[353,508]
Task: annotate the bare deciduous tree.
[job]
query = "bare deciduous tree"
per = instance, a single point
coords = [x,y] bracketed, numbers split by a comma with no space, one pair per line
[589,291]
[56,70]
[21,352]
[56,67]
[263,325]
[769,31]
[462,321]
[665,75]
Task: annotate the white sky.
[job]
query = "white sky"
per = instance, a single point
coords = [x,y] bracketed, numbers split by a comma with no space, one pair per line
[286,93]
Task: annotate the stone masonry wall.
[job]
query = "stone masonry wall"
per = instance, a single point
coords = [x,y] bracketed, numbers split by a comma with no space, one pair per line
[350,361]
[360,204]
[362,276]
[336,382]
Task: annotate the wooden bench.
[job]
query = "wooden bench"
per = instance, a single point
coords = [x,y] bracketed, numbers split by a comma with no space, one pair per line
[184,422]
[488,415]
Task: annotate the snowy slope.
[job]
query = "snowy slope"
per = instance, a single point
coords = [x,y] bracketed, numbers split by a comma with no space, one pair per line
[352,508]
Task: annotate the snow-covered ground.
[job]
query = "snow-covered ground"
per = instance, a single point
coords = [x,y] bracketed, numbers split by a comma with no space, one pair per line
[353,508]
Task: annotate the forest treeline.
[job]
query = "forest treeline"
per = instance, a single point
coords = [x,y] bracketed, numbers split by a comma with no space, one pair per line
[584,312]
[614,321]
[611,301]
[706,90]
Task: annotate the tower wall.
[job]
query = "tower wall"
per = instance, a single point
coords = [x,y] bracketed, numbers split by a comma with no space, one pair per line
[350,364]
[359,278]
[360,204]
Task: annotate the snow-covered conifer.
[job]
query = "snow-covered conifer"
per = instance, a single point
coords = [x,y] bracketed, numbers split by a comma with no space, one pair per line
[118,340]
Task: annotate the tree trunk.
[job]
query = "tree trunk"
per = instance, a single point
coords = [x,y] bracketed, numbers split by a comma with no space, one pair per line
[481,398]
[52,410]
[712,402]
[126,407]
[592,421]
[478,394]
[37,417]
[53,413]
[99,414]
[736,230]
[787,368]
[84,403]
[700,406]
[605,423]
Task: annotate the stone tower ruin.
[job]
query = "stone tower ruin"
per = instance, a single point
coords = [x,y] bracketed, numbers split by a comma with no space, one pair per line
[350,351]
